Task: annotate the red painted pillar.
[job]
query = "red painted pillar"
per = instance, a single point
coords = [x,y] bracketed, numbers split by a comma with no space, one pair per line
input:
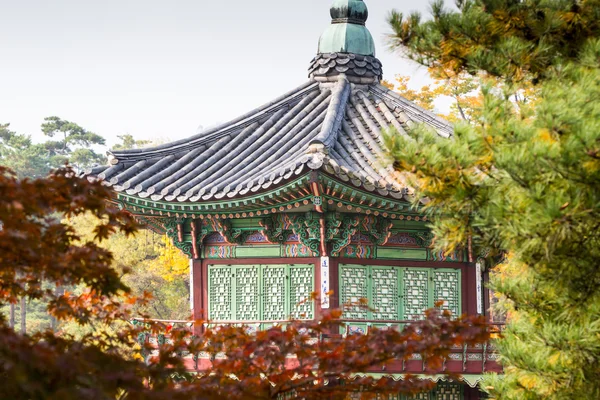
[334,299]
[197,284]
[487,296]
[471,289]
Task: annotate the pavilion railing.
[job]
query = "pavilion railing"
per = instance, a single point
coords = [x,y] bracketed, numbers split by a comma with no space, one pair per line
[462,359]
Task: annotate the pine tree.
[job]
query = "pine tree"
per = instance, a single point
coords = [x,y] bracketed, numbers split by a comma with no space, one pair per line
[511,39]
[522,182]
[73,145]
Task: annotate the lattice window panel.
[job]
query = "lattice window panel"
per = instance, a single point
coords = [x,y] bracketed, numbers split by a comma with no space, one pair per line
[449,391]
[419,396]
[388,397]
[353,287]
[446,287]
[220,293]
[444,391]
[384,293]
[260,292]
[247,304]
[274,292]
[301,286]
[415,293]
[398,293]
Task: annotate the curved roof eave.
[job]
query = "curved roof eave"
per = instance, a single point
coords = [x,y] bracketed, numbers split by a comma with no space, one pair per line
[336,127]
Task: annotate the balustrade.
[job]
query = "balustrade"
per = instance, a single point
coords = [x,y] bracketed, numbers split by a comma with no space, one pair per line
[476,359]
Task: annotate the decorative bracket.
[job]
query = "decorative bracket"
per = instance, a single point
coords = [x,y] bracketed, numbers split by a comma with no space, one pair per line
[274,228]
[424,239]
[349,227]
[378,229]
[308,229]
[232,235]
[199,232]
[174,230]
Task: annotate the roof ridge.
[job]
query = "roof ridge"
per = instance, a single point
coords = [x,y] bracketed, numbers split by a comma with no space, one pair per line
[413,108]
[333,119]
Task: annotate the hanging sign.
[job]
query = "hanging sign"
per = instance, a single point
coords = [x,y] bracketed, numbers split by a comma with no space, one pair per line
[479,288]
[325,282]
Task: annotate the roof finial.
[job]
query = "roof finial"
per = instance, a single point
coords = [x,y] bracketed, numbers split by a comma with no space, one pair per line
[347,46]
[349,11]
[347,32]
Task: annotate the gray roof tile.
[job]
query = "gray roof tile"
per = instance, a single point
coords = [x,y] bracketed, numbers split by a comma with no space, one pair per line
[333,126]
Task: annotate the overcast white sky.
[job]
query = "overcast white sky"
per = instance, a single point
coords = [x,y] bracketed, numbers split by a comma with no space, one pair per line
[159,69]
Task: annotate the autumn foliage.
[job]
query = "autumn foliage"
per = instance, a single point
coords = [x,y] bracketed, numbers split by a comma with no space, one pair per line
[307,359]
[311,359]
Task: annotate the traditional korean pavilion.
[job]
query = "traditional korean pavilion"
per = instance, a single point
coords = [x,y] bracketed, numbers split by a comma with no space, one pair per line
[299,196]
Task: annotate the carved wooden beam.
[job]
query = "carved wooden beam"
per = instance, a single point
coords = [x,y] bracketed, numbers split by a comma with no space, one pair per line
[199,232]
[174,230]
[274,228]
[349,226]
[232,235]
[308,229]
[378,228]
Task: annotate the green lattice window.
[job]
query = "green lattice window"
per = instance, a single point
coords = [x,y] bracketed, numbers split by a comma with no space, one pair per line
[354,289]
[443,391]
[415,293]
[220,289]
[301,288]
[260,292]
[445,283]
[449,391]
[397,293]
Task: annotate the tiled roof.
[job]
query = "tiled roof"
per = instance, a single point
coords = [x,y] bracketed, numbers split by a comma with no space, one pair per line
[335,127]
[353,65]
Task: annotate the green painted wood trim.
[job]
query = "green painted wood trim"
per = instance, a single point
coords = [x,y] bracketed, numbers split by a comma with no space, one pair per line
[247,223]
[238,209]
[404,225]
[257,251]
[246,204]
[401,253]
[361,194]
[256,203]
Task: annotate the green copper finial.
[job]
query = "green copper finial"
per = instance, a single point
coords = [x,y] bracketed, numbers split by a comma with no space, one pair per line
[347,32]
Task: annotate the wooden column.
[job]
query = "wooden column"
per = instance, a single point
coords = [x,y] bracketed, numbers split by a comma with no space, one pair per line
[470,288]
[486,297]
[334,299]
[198,285]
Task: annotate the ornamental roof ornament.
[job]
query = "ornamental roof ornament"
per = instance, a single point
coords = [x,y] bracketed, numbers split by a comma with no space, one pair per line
[346,46]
